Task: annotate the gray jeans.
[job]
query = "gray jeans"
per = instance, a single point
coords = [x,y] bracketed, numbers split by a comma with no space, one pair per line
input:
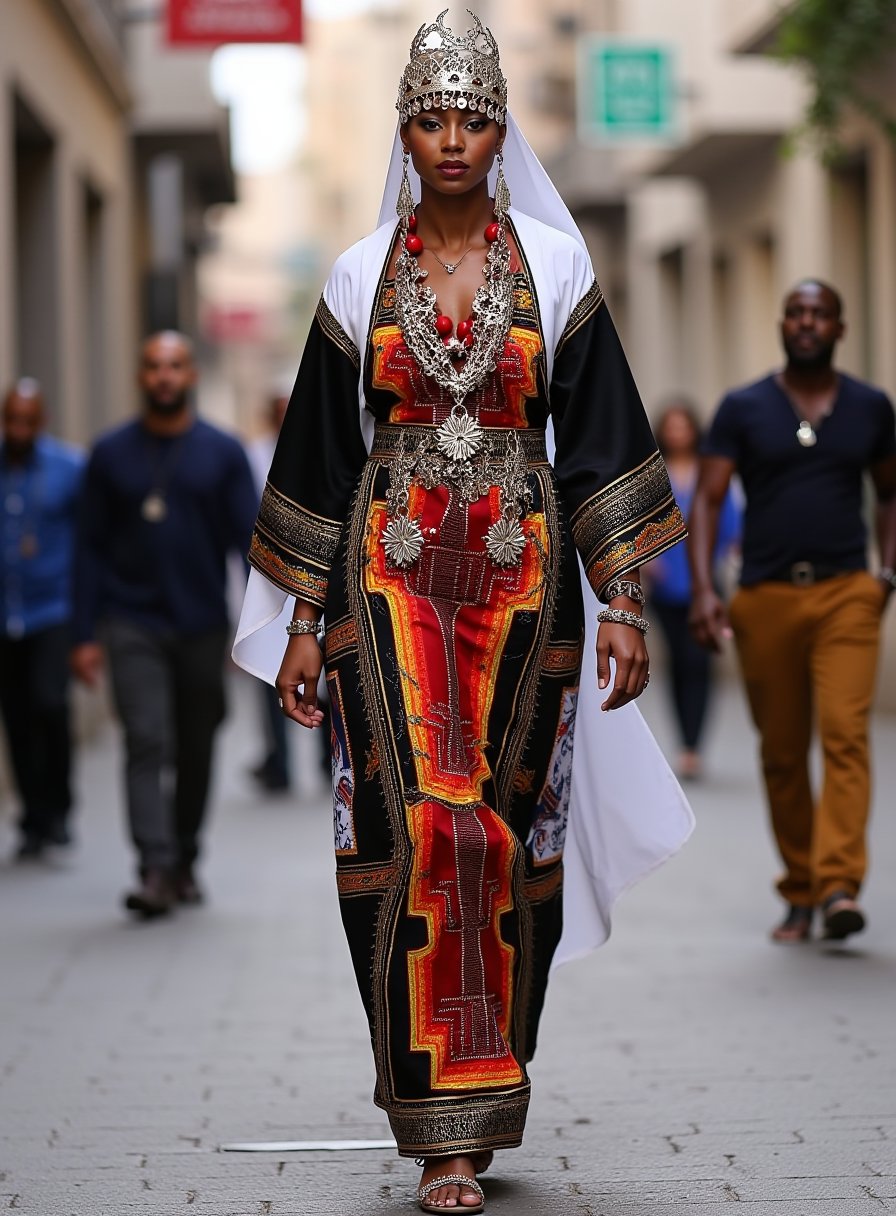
[169,694]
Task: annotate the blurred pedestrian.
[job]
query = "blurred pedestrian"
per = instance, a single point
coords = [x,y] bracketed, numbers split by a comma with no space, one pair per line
[40,480]
[272,771]
[166,497]
[668,581]
[455,628]
[807,616]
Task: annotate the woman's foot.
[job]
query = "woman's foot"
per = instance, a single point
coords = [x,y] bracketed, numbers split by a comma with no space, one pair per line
[453,1194]
[690,767]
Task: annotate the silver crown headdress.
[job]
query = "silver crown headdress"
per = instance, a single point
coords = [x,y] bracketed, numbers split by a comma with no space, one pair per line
[457,72]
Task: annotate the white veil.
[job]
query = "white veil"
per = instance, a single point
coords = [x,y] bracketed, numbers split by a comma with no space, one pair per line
[532,190]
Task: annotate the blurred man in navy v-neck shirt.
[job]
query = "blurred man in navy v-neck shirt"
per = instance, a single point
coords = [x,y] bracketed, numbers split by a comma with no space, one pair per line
[166,498]
[807,617]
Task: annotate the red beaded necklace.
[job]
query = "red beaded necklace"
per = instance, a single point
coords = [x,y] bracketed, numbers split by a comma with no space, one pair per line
[445,324]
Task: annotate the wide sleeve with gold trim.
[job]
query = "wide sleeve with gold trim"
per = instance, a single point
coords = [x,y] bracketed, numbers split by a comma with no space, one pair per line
[612,478]
[316,465]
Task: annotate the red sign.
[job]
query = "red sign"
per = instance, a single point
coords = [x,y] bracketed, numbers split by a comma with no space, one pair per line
[222,323]
[212,22]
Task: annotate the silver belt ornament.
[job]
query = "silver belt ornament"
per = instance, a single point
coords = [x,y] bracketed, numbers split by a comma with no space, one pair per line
[454,456]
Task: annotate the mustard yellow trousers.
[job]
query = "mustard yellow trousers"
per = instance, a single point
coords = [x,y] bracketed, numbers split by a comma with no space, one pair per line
[809,654]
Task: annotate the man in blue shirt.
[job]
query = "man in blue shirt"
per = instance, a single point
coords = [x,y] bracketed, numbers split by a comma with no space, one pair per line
[166,498]
[807,617]
[40,480]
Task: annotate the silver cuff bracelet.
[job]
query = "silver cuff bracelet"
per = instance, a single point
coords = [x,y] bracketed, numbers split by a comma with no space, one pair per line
[300,626]
[624,586]
[619,616]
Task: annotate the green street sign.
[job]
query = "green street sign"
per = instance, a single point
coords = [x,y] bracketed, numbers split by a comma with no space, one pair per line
[626,91]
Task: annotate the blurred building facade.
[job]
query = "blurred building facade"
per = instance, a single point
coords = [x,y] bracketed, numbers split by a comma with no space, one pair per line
[67,310]
[111,149]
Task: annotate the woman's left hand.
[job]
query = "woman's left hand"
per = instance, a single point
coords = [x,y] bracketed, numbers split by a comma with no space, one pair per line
[626,645]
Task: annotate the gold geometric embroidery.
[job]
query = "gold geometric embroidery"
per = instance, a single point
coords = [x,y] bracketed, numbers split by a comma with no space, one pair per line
[538,890]
[653,539]
[562,659]
[628,522]
[586,307]
[293,547]
[289,576]
[340,638]
[336,333]
[359,880]
[297,530]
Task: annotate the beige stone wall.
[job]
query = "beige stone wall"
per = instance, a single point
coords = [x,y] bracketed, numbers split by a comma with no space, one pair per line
[75,317]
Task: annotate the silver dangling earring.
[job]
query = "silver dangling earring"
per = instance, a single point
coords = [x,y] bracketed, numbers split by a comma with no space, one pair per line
[502,191]
[405,205]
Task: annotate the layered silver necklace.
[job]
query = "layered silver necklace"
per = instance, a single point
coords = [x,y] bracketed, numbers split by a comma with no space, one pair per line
[415,311]
[459,370]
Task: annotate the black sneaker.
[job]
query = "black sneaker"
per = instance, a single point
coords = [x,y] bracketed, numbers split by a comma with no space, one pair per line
[842,916]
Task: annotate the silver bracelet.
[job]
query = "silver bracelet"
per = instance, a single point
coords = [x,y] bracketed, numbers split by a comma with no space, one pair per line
[619,616]
[624,586]
[300,626]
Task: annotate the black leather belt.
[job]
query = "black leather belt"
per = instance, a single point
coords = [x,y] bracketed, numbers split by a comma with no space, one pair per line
[804,574]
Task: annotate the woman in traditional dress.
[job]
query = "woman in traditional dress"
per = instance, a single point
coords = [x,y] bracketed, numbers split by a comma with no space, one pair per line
[441,546]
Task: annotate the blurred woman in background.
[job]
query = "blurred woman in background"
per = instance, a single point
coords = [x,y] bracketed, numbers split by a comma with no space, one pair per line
[669,582]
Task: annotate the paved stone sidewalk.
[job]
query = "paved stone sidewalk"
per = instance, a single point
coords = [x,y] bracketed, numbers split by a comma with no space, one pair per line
[688,1066]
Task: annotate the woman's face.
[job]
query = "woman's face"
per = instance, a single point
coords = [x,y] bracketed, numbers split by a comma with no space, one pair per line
[677,434]
[452,150]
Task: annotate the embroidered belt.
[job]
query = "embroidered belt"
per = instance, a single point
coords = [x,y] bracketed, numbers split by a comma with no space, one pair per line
[470,465]
[390,441]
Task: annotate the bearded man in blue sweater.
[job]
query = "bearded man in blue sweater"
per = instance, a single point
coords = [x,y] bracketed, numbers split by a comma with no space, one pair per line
[166,498]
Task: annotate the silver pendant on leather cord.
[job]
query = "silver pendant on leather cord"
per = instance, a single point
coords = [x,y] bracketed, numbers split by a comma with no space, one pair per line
[806,434]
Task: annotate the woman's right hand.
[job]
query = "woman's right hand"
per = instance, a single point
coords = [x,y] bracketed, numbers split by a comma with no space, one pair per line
[301,664]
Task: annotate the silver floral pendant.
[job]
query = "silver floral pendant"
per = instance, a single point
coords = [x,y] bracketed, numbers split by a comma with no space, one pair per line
[505,541]
[403,541]
[806,435]
[459,437]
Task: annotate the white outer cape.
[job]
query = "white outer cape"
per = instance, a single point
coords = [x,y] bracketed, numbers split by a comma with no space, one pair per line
[627,812]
